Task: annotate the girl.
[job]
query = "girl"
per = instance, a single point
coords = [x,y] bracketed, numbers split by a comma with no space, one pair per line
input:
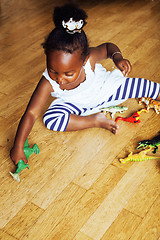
[80,85]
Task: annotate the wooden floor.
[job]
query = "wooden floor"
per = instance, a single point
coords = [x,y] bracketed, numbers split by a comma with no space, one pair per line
[76,188]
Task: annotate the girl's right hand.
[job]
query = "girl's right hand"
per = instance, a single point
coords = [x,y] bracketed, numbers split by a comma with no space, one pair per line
[125,66]
[17,155]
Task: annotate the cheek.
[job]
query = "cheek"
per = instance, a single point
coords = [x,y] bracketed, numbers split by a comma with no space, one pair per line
[52,75]
[71,79]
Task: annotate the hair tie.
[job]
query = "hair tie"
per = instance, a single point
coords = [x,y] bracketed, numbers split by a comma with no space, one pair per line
[72,26]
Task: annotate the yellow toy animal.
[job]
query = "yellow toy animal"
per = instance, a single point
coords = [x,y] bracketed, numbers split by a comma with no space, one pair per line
[138,157]
[150,103]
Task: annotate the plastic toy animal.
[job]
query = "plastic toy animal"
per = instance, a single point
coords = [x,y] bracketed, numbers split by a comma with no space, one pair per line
[153,143]
[21,165]
[150,103]
[134,118]
[138,157]
[113,110]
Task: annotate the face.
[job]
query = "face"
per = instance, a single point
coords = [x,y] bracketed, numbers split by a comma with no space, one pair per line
[64,68]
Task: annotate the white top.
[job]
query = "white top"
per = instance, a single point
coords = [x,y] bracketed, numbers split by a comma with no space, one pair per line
[98,86]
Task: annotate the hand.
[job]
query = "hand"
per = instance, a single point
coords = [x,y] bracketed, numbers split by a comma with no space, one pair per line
[125,66]
[17,155]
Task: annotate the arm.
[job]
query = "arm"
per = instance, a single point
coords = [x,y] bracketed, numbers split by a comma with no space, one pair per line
[110,50]
[27,121]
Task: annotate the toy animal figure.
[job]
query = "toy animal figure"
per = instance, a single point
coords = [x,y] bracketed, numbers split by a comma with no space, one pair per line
[21,165]
[113,110]
[138,157]
[134,118]
[150,103]
[153,143]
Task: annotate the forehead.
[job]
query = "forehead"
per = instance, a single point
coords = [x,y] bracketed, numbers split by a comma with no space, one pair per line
[60,60]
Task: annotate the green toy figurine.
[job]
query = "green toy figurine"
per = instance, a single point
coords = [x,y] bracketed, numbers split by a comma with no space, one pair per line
[153,143]
[21,165]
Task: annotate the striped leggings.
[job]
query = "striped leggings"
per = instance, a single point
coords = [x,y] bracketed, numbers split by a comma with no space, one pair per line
[57,116]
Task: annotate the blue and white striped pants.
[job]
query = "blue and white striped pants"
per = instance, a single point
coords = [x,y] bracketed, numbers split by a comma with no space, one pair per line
[57,116]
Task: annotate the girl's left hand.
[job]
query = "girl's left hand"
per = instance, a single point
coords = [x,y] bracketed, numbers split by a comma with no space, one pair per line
[125,66]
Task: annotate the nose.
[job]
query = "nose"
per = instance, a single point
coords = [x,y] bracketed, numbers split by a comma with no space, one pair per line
[60,80]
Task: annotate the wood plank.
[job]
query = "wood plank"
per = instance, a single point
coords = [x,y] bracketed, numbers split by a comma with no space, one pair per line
[123,227]
[23,221]
[107,181]
[94,168]
[55,213]
[6,236]
[111,207]
[147,193]
[86,206]
[81,236]
[150,225]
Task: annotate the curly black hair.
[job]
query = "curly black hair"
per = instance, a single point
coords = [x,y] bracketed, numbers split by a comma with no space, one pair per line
[59,39]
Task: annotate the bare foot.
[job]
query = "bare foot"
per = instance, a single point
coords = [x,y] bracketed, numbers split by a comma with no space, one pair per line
[106,123]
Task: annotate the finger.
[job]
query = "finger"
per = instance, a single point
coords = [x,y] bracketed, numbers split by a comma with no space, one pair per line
[129,67]
[121,66]
[15,162]
[125,69]
[114,130]
[25,160]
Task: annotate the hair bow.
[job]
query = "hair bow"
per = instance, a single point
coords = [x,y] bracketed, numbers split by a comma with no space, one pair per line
[73,26]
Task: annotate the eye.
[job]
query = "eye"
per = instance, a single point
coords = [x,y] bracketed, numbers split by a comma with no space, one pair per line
[52,71]
[69,74]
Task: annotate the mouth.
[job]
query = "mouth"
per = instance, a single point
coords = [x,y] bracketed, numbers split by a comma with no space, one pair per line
[141,146]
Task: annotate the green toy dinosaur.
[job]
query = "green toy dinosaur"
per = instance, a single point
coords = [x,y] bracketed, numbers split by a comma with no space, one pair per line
[21,165]
[153,143]
[138,157]
[113,110]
